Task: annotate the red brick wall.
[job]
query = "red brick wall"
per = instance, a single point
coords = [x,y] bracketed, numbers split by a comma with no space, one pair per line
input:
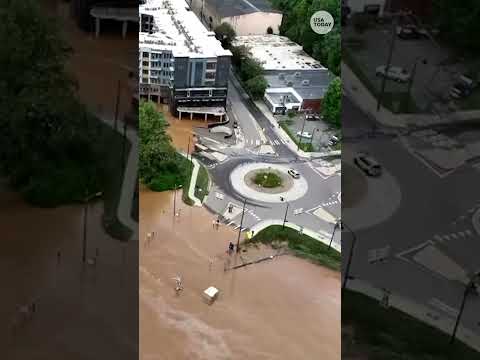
[314,105]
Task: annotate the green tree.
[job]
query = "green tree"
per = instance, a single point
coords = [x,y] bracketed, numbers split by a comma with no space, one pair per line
[160,166]
[332,102]
[256,87]
[250,68]
[457,21]
[226,34]
[47,139]
[239,54]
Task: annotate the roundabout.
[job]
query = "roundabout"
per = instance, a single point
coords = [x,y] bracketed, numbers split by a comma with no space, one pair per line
[269,183]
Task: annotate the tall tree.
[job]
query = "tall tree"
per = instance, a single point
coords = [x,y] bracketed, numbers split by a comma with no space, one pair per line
[332,102]
[46,137]
[226,34]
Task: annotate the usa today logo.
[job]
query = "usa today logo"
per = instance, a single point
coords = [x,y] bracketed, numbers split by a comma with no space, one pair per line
[322,22]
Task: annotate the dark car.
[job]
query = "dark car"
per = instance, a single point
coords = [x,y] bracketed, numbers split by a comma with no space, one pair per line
[312,117]
[368,164]
[235,124]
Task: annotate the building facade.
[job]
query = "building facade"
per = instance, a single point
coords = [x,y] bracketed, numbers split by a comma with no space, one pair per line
[181,62]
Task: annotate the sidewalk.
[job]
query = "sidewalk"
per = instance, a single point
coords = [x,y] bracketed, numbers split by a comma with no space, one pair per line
[368,103]
[418,311]
[193,180]
[313,234]
[129,184]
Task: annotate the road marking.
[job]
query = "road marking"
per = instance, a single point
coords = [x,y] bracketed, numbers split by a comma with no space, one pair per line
[257,142]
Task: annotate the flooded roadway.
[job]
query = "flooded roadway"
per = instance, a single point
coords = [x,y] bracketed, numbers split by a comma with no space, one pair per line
[281,309]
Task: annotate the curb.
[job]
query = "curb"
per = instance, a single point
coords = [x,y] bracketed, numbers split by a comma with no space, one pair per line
[313,234]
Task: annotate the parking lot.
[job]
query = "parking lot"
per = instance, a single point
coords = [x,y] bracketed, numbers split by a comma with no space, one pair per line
[318,129]
[435,72]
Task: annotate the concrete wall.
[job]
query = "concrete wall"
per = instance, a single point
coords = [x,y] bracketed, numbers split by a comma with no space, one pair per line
[255,23]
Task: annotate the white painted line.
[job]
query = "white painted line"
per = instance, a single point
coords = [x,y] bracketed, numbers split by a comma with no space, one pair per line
[438,238]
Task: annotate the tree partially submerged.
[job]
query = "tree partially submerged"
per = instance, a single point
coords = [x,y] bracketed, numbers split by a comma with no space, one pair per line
[47,139]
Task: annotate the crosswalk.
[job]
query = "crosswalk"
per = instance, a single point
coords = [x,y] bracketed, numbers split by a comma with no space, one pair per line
[258,142]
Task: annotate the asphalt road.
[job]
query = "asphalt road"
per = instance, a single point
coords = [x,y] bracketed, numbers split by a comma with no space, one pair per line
[429,206]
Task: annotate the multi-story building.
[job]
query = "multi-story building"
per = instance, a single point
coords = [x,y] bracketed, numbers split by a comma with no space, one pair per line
[181,62]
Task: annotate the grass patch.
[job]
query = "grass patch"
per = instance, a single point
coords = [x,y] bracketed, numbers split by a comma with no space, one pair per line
[471,102]
[301,245]
[391,334]
[201,187]
[305,146]
[267,179]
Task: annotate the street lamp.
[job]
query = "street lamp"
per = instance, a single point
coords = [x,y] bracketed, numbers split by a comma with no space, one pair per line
[350,256]
[313,134]
[175,198]
[470,288]
[241,224]
[412,75]
[389,62]
[86,199]
[286,212]
[335,227]
[301,134]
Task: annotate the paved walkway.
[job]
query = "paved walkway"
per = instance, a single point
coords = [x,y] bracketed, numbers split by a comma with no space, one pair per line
[368,103]
[129,185]
[193,181]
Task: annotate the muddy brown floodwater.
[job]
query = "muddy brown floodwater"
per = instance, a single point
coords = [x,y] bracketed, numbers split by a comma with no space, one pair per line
[286,308]
[181,130]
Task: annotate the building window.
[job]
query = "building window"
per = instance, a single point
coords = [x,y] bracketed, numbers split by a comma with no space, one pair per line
[145,72]
[145,63]
[210,75]
[145,54]
[211,65]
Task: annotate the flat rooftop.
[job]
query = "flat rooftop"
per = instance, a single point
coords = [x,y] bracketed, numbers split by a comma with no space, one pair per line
[179,30]
[309,84]
[278,53]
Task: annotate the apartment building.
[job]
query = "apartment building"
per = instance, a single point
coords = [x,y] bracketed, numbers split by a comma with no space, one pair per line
[181,62]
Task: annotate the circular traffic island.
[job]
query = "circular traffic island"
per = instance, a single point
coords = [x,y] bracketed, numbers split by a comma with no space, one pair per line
[268,180]
[267,183]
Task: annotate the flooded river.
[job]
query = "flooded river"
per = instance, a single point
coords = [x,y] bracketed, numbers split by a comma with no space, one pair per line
[281,309]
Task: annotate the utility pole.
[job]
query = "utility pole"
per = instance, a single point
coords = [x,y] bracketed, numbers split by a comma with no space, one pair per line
[85,215]
[350,256]
[117,101]
[285,217]
[389,61]
[412,76]
[174,200]
[335,227]
[188,147]
[301,134]
[469,288]
[241,224]
[124,145]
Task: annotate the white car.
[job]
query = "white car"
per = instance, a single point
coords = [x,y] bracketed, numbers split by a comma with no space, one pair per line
[395,73]
[304,134]
[293,173]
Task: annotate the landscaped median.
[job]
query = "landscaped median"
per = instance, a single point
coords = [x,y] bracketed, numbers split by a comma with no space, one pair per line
[299,244]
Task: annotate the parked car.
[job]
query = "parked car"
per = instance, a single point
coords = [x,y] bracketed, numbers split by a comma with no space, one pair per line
[235,124]
[312,117]
[395,73]
[333,141]
[304,134]
[463,87]
[411,32]
[368,164]
[293,173]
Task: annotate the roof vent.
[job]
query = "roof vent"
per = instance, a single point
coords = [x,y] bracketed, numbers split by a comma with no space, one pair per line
[289,83]
[281,76]
[305,82]
[297,74]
